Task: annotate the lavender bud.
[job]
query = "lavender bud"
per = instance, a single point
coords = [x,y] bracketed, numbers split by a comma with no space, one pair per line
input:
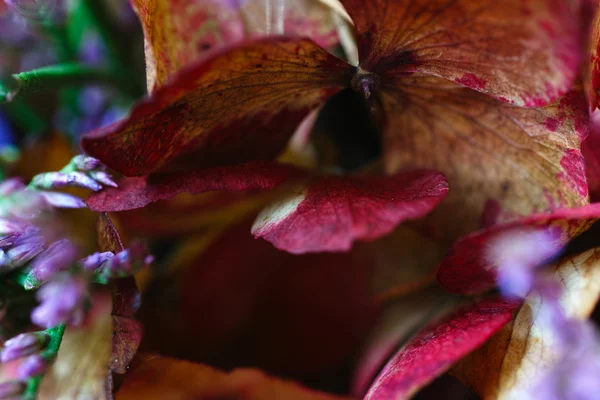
[127,262]
[32,366]
[58,180]
[517,254]
[10,186]
[23,345]
[58,257]
[62,301]
[4,259]
[62,200]
[27,204]
[8,240]
[27,246]
[104,178]
[12,389]
[94,261]
[10,227]
[35,11]
[85,163]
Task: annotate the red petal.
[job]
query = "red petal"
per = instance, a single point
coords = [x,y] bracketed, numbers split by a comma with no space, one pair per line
[239,105]
[501,161]
[466,269]
[137,192]
[593,77]
[127,336]
[435,349]
[243,302]
[397,324]
[331,213]
[522,52]
[591,152]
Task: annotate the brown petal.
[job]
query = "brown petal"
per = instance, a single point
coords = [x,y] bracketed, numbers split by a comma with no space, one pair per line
[501,161]
[522,52]
[159,378]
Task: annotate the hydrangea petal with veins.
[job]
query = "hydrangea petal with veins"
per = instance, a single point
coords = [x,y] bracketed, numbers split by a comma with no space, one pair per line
[467,268]
[522,52]
[436,348]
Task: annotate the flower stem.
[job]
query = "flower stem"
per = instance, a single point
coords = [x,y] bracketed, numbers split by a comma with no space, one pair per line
[50,78]
[56,335]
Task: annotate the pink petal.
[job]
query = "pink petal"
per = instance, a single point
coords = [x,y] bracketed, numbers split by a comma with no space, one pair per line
[331,213]
[466,269]
[137,192]
[591,152]
[436,348]
[241,104]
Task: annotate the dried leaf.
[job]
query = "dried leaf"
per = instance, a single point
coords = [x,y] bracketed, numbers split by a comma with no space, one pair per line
[501,161]
[522,52]
[80,371]
[159,377]
[238,105]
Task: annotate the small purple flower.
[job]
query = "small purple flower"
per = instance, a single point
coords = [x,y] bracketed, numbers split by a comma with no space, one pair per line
[26,247]
[62,301]
[86,163]
[103,177]
[92,50]
[58,257]
[59,180]
[23,345]
[127,262]
[32,366]
[8,240]
[12,389]
[9,227]
[517,254]
[575,375]
[24,205]
[36,10]
[10,186]
[62,200]
[82,172]
[94,261]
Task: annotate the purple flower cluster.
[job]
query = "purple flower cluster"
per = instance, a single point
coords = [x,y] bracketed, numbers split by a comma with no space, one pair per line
[50,262]
[575,371]
[62,301]
[33,247]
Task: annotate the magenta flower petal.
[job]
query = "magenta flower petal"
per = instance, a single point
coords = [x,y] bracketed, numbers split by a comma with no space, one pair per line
[438,347]
[329,214]
[138,192]
[467,268]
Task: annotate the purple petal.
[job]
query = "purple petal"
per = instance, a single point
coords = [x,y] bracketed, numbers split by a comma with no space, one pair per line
[58,257]
[62,200]
[58,180]
[23,345]
[32,366]
[10,390]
